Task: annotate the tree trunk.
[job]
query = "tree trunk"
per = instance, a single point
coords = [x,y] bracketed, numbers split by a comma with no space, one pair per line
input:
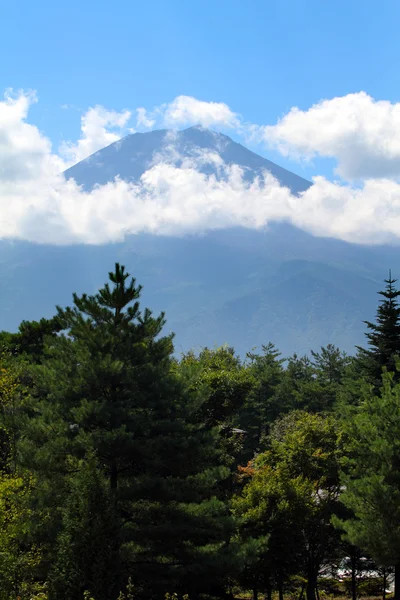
[310,590]
[269,591]
[397,582]
[280,590]
[311,586]
[255,594]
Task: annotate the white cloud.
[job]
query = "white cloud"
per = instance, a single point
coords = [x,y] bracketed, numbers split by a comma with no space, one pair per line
[38,204]
[143,119]
[362,134]
[186,110]
[25,154]
[173,201]
[96,134]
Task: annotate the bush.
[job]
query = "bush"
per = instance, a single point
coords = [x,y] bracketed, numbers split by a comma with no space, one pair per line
[372,586]
[332,587]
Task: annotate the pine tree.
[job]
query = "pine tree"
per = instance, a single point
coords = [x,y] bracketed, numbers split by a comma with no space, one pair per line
[262,406]
[30,338]
[330,364]
[383,336]
[371,475]
[109,384]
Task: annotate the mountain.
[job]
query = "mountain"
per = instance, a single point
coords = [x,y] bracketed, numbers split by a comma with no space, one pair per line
[236,286]
[130,157]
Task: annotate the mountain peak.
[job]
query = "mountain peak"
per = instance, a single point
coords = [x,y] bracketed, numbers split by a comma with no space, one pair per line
[131,156]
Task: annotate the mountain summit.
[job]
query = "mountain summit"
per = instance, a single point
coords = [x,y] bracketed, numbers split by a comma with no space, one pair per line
[131,156]
[237,286]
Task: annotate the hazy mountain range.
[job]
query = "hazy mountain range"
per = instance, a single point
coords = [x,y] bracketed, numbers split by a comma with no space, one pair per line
[237,286]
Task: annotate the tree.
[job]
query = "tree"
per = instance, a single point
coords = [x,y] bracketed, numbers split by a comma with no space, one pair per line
[371,475]
[108,384]
[314,383]
[383,336]
[263,405]
[20,557]
[330,364]
[30,338]
[291,496]
[267,513]
[226,383]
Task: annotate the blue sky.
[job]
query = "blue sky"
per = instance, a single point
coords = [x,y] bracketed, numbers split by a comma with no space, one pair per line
[260,57]
[101,70]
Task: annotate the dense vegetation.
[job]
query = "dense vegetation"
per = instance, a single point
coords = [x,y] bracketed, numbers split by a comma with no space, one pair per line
[127,472]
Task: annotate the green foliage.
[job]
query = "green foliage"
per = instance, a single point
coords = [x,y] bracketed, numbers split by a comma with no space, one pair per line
[225,384]
[264,403]
[19,557]
[225,380]
[120,463]
[108,384]
[30,339]
[130,592]
[313,384]
[330,364]
[371,473]
[87,545]
[383,336]
[292,492]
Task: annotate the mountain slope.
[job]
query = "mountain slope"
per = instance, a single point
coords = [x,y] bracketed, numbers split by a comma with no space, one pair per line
[239,286]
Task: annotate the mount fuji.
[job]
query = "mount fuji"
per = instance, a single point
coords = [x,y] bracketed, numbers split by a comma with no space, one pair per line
[234,285]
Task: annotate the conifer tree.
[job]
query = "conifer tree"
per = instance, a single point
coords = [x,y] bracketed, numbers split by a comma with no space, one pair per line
[371,475]
[263,405]
[30,338]
[330,364]
[108,383]
[383,336]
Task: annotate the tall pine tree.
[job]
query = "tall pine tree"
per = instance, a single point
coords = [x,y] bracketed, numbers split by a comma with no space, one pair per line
[383,336]
[110,385]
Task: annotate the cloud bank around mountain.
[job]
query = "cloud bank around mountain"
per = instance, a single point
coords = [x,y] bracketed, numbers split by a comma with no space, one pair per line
[39,205]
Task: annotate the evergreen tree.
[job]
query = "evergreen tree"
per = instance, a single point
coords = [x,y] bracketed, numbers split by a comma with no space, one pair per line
[263,405]
[299,388]
[330,364]
[383,336]
[226,384]
[108,383]
[226,381]
[371,476]
[30,338]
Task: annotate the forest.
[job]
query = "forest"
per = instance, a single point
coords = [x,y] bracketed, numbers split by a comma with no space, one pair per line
[130,472]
